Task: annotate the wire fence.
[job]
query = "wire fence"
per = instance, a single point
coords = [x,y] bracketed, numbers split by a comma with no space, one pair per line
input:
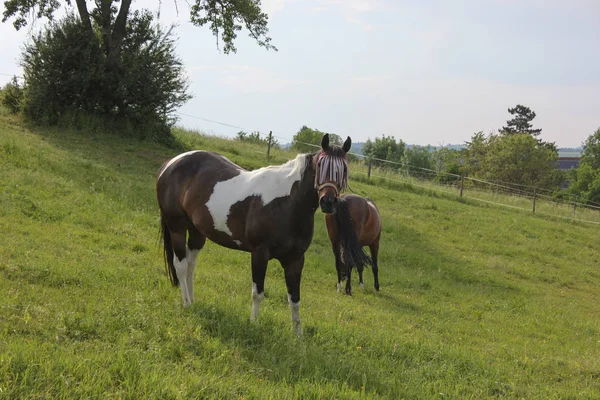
[505,194]
[525,198]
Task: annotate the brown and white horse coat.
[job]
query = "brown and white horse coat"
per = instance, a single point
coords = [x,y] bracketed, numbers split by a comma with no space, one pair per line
[268,212]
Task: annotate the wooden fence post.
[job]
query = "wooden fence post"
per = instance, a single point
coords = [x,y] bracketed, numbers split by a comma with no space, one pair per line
[269,144]
[369,171]
[534,200]
[462,184]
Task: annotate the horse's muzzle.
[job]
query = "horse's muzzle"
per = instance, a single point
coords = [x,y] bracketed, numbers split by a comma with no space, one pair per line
[327,203]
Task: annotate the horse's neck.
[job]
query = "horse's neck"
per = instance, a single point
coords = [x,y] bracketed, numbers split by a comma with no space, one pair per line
[306,199]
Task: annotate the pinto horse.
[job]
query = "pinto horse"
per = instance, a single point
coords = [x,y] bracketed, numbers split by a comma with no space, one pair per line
[268,212]
[354,223]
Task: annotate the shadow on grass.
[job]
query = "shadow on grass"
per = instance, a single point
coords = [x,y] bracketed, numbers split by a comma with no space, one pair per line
[399,304]
[268,346]
[426,264]
[347,359]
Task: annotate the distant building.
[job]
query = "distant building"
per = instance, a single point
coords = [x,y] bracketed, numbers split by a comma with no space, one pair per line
[566,163]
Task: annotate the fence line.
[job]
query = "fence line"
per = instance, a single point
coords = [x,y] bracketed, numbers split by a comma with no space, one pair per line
[570,218]
[506,187]
[210,120]
[492,202]
[411,183]
[534,195]
[497,204]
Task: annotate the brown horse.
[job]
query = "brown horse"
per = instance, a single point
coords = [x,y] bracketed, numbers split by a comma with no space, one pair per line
[268,212]
[354,223]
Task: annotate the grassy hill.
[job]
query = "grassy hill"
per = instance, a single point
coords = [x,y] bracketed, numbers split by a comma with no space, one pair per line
[475,301]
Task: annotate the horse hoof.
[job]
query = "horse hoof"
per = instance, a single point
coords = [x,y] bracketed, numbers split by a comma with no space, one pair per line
[297,328]
[361,286]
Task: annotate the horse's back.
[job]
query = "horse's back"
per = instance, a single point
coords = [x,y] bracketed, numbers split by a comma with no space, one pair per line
[189,178]
[366,215]
[233,207]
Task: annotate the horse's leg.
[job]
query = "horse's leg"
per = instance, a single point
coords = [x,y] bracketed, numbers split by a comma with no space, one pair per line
[361,285]
[348,279]
[374,247]
[181,265]
[196,242]
[260,260]
[338,264]
[293,275]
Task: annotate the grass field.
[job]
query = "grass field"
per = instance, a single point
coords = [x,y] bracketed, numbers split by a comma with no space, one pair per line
[476,301]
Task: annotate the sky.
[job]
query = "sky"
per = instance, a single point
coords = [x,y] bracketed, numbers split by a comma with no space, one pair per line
[424,71]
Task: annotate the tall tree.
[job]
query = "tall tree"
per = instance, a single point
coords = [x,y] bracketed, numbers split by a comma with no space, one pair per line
[385,148]
[225,18]
[307,140]
[585,183]
[447,161]
[419,157]
[591,150]
[474,153]
[585,180]
[521,123]
[519,159]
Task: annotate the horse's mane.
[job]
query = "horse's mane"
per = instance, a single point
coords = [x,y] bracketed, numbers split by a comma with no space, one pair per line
[353,255]
[300,163]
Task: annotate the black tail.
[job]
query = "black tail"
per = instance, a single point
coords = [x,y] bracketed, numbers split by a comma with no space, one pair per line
[353,255]
[168,251]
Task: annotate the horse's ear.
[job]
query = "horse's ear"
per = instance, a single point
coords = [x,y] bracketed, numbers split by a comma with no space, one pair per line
[325,142]
[347,145]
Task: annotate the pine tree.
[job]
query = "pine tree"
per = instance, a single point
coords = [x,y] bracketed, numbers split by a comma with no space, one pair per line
[521,123]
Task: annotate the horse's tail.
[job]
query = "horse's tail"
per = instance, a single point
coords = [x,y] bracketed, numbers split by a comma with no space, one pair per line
[353,255]
[168,251]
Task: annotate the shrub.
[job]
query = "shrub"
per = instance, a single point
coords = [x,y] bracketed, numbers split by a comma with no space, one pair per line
[11,96]
[385,148]
[255,138]
[70,80]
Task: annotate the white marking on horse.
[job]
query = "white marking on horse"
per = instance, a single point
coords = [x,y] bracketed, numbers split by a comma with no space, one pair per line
[370,203]
[191,258]
[256,299]
[177,158]
[295,309]
[238,243]
[181,268]
[269,183]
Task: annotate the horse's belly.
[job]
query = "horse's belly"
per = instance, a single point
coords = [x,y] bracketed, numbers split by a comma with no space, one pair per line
[228,242]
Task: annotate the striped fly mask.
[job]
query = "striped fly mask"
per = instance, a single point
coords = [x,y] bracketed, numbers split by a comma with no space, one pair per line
[331,173]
